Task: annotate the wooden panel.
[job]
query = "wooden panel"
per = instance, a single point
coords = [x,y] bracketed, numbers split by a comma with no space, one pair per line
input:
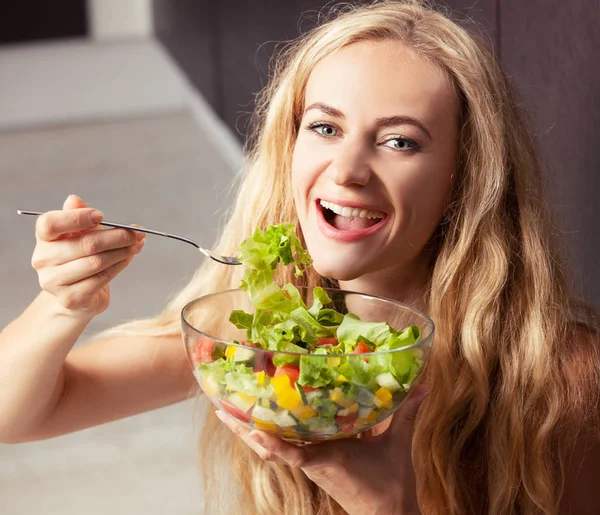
[477,15]
[550,47]
[189,31]
[249,32]
[33,20]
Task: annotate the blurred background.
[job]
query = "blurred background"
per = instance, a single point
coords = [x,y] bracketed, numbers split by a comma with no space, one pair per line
[141,107]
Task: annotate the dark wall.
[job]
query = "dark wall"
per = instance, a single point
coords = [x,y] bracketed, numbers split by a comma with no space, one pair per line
[549,47]
[224,47]
[33,20]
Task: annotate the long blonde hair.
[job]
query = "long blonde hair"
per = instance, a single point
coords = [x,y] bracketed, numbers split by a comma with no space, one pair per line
[511,381]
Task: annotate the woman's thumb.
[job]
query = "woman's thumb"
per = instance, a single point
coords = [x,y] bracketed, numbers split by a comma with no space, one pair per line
[74,202]
[404,418]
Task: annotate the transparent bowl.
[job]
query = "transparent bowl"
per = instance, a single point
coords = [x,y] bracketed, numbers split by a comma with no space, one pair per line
[246,382]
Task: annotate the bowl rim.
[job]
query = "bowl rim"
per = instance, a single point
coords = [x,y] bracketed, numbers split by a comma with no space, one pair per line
[419,343]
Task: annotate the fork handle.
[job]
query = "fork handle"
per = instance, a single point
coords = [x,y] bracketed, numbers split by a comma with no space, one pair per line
[125,226]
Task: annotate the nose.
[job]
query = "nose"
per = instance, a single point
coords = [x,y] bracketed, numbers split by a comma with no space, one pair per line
[350,165]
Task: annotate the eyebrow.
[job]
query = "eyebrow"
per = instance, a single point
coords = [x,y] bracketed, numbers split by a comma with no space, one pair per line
[389,121]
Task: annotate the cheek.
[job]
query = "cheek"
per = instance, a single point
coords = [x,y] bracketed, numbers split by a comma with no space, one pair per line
[422,198]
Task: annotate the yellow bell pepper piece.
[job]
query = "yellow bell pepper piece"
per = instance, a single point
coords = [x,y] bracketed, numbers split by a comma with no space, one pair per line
[383,394]
[336,395]
[342,379]
[230,352]
[247,398]
[353,408]
[372,417]
[281,382]
[383,398]
[260,377]
[265,426]
[304,412]
[334,362]
[289,398]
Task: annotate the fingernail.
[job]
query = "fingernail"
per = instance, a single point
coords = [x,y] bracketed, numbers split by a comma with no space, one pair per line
[138,246]
[140,235]
[255,437]
[96,216]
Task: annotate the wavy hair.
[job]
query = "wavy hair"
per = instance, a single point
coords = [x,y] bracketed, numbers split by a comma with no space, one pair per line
[513,380]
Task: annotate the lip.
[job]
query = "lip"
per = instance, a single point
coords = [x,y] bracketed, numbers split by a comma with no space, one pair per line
[346,236]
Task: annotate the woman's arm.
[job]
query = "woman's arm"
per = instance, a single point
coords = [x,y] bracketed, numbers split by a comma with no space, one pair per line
[47,389]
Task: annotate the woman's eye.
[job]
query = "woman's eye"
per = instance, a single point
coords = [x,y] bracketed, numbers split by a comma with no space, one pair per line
[402,144]
[323,129]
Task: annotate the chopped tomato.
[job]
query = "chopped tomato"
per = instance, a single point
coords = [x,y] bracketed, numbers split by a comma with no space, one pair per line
[202,351]
[309,389]
[346,422]
[292,371]
[327,341]
[235,412]
[361,348]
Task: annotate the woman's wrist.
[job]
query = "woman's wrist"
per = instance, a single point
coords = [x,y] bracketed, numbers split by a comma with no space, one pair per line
[55,309]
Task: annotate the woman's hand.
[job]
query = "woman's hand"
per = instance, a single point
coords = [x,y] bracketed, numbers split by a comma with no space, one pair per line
[75,259]
[366,476]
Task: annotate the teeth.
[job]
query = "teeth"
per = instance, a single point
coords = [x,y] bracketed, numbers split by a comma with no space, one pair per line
[349,212]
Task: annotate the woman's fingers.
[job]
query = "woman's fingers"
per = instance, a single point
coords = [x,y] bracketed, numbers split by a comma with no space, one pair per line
[52,278]
[74,202]
[253,439]
[272,448]
[80,294]
[90,244]
[54,225]
[403,420]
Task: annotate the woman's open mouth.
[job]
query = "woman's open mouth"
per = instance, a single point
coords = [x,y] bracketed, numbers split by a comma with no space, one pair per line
[348,222]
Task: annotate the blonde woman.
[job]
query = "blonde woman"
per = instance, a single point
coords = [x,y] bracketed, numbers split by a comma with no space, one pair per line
[394,109]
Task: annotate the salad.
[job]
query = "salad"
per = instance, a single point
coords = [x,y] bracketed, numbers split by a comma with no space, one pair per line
[304,372]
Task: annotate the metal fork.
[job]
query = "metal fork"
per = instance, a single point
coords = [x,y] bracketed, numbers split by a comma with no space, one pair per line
[226,260]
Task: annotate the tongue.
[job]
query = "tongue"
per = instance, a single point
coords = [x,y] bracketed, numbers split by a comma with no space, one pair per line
[344,223]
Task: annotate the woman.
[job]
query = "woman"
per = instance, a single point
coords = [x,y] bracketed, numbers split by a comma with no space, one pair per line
[393,112]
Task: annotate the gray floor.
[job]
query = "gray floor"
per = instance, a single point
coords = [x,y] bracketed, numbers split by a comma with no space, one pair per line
[161,172]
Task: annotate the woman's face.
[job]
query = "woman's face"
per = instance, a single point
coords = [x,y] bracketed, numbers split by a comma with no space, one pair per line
[374,158]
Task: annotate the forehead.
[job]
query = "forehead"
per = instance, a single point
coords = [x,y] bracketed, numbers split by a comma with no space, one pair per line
[380,79]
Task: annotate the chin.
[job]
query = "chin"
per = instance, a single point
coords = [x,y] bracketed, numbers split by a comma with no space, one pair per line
[338,271]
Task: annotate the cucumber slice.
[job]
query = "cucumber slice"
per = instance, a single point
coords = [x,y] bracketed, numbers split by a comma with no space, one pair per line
[386,379]
[323,427]
[243,354]
[365,396]
[265,402]
[364,412]
[284,418]
[239,402]
[264,414]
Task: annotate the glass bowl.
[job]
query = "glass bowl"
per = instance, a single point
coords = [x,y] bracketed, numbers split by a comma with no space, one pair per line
[262,388]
